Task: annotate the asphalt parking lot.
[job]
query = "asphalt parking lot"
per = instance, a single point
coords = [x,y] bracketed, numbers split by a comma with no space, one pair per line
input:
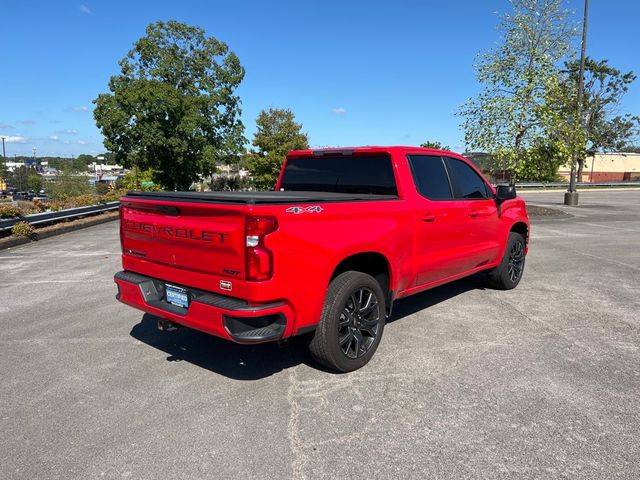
[539,382]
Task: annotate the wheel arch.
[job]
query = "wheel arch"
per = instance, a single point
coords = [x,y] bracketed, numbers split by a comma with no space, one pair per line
[522,228]
[372,263]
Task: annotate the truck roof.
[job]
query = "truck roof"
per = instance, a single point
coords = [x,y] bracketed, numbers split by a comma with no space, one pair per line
[363,149]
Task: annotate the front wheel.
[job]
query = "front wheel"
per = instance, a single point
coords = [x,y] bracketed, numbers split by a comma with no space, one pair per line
[507,275]
[351,323]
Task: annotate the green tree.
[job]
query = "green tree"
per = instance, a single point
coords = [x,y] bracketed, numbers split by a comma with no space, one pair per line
[68,185]
[138,179]
[172,108]
[437,145]
[81,163]
[277,133]
[604,128]
[34,182]
[4,173]
[19,178]
[511,113]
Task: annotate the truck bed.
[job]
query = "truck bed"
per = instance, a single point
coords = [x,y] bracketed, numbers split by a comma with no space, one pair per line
[258,198]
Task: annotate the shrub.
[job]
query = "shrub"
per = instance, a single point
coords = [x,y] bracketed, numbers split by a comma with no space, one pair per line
[111,196]
[9,211]
[81,201]
[23,229]
[102,188]
[39,205]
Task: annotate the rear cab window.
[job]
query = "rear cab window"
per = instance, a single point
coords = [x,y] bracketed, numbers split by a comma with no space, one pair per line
[356,174]
[430,176]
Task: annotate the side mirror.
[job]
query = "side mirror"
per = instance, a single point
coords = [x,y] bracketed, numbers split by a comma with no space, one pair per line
[505,192]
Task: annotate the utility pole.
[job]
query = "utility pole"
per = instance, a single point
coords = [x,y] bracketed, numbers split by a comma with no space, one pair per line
[4,164]
[571,196]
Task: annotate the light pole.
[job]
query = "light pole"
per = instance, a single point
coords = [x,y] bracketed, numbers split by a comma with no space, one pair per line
[4,154]
[571,196]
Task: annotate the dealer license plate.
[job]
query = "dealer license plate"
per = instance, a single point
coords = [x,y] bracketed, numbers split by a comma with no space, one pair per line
[177,296]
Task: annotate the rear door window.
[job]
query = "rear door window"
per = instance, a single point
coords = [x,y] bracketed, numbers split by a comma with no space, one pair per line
[467,184]
[430,177]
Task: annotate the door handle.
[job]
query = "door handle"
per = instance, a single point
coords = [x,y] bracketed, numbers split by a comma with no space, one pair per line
[473,213]
[429,217]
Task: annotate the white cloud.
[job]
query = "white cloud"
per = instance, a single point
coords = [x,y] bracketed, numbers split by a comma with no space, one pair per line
[339,111]
[27,122]
[81,108]
[84,9]
[5,126]
[54,138]
[68,131]
[83,142]
[15,139]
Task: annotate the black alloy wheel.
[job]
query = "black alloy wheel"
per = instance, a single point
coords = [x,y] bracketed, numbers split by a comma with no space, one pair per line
[351,323]
[516,261]
[359,323]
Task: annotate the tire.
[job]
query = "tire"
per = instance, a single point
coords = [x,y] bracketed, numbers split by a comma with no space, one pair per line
[343,341]
[507,275]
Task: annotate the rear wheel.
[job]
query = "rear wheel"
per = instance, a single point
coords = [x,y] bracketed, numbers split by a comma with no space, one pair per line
[507,275]
[351,323]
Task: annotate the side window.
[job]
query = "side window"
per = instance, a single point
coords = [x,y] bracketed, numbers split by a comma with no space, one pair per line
[430,177]
[468,184]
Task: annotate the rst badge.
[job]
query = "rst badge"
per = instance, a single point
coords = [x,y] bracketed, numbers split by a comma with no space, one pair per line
[297,210]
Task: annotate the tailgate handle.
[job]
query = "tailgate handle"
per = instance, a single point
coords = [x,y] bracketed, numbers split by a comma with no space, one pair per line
[168,210]
[429,217]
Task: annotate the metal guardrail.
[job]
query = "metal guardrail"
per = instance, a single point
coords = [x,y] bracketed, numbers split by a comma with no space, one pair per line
[53,217]
[579,184]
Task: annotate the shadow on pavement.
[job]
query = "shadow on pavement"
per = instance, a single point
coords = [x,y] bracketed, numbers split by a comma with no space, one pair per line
[413,304]
[252,362]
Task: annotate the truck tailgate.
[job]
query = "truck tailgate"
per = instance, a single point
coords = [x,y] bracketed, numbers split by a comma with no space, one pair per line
[200,237]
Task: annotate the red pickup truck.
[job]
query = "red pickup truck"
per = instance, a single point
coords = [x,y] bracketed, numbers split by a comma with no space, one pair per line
[345,234]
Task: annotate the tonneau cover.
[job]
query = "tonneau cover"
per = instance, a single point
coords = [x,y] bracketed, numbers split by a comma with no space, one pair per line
[259,198]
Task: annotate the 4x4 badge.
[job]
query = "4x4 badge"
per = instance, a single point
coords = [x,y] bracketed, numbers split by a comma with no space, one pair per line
[297,210]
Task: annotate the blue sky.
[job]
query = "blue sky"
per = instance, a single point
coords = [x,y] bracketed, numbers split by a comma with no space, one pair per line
[354,72]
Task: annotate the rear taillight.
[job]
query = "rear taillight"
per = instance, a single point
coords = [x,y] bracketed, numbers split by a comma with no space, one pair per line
[259,259]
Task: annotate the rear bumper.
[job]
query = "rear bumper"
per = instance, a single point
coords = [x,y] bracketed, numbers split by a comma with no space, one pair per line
[226,317]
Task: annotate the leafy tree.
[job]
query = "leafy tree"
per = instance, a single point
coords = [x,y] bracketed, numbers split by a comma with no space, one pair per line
[109,158]
[4,173]
[34,182]
[19,178]
[228,183]
[138,179]
[511,113]
[437,145]
[68,185]
[172,108]
[604,87]
[277,133]
[541,162]
[83,161]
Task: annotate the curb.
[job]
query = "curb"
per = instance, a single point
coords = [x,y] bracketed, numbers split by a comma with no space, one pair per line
[59,229]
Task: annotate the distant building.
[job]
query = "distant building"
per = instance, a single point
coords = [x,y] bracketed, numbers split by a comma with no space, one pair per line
[608,167]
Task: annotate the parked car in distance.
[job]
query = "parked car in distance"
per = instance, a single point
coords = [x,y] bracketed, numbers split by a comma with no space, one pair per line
[24,195]
[346,233]
[43,197]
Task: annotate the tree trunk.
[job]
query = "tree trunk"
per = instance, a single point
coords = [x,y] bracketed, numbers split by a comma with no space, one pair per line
[580,169]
